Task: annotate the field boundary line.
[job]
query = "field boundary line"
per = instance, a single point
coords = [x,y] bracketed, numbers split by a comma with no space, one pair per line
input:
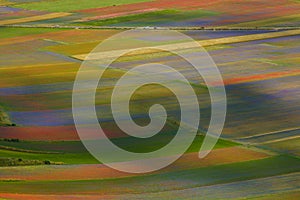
[36,65]
[204,28]
[280,140]
[7,148]
[261,77]
[269,133]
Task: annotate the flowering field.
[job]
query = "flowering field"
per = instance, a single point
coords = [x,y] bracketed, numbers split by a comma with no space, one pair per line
[191,13]
[43,44]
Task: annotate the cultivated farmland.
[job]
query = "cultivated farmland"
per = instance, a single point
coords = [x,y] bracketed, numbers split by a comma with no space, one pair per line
[254,44]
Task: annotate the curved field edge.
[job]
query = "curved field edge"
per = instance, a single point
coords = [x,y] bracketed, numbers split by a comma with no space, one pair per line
[161,182]
[85,172]
[274,188]
[72,155]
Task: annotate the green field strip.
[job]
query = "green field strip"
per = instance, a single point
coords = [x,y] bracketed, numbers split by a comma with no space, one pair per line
[65,158]
[186,162]
[16,162]
[270,188]
[26,150]
[162,182]
[71,5]
[17,32]
[45,146]
[75,153]
[205,192]
[152,18]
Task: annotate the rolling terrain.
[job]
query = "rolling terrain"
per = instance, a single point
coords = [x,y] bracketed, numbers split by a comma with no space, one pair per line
[43,44]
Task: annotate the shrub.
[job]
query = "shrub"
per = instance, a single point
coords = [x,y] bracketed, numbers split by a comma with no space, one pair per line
[47,162]
[11,140]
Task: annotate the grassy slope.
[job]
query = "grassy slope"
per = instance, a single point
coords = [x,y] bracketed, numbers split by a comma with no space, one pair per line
[162,182]
[70,5]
